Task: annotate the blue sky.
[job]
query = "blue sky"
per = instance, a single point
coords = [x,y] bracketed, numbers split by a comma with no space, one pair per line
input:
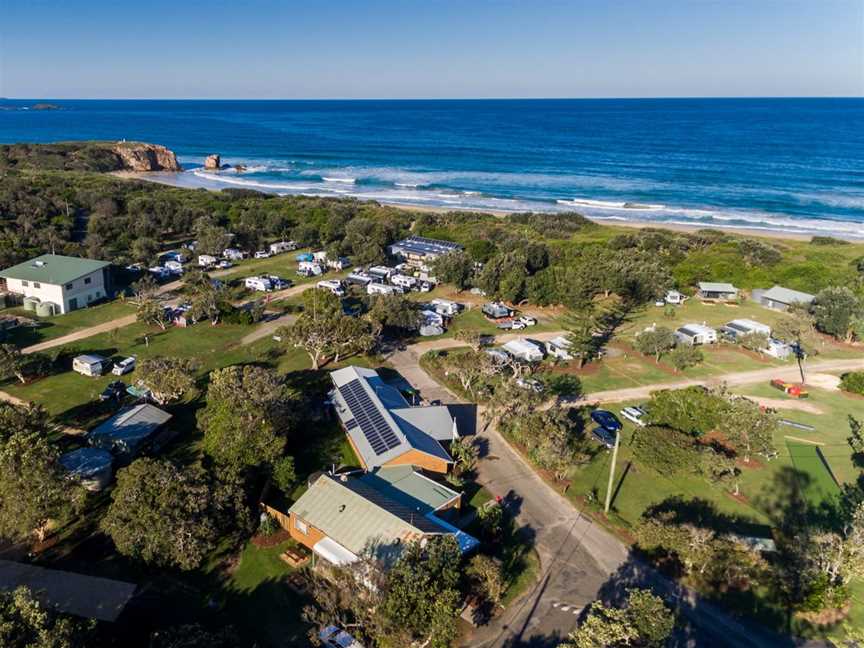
[430,48]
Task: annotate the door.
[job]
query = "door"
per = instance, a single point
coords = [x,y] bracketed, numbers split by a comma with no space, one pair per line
[73,304]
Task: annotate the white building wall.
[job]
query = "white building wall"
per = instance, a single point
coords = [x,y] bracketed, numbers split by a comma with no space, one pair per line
[83,291]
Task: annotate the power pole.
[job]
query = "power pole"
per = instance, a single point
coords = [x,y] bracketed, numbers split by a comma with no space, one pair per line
[612,472]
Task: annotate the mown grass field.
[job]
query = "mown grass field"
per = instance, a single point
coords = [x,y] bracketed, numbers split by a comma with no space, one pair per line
[50,328]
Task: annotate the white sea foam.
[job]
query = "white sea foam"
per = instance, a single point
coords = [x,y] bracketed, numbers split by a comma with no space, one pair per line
[337,179]
[607,204]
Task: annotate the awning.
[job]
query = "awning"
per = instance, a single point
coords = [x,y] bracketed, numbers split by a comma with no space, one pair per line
[467,543]
[333,552]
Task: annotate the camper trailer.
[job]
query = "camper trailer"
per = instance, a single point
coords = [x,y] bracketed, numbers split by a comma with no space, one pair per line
[258,283]
[496,310]
[381,273]
[695,334]
[90,365]
[445,307]
[403,281]
[309,269]
[382,289]
[282,246]
[233,254]
[206,260]
[358,278]
[522,349]
[559,347]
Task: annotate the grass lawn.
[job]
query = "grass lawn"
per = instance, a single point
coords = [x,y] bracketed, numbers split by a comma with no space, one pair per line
[260,602]
[816,482]
[53,327]
[213,347]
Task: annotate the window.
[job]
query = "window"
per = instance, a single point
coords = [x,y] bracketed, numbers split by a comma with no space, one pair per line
[301,526]
[87,281]
[69,286]
[36,284]
[25,283]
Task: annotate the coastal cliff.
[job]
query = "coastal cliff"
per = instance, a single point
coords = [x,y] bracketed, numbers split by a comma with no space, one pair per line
[102,157]
[138,156]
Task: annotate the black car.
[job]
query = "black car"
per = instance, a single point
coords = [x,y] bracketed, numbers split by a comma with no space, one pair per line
[607,420]
[114,391]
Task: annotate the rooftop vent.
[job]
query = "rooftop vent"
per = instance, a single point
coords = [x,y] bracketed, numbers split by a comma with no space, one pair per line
[39,264]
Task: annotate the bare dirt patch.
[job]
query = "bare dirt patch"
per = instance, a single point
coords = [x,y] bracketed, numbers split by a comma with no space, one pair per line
[824,381]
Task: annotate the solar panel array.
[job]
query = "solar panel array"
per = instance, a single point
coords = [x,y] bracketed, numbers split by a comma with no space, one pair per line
[372,423]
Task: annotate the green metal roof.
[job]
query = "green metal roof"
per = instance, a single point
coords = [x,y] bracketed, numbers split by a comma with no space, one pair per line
[53,269]
[360,518]
[407,486]
[714,286]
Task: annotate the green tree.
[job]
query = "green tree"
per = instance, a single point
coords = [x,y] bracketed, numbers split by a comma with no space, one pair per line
[645,620]
[168,378]
[798,328]
[212,239]
[152,312]
[248,412]
[421,598]
[685,356]
[504,276]
[721,468]
[465,455]
[394,312]
[755,341]
[317,329]
[456,268]
[28,418]
[692,410]
[145,288]
[835,310]
[284,474]
[655,342]
[27,623]
[144,249]
[749,428]
[582,326]
[33,488]
[13,364]
[486,577]
[165,514]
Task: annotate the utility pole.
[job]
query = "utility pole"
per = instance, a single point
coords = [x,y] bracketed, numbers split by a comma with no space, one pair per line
[612,472]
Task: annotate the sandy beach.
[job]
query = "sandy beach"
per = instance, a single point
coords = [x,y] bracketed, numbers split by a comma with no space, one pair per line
[190,182]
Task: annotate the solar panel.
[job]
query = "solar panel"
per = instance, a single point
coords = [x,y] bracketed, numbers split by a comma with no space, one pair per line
[372,423]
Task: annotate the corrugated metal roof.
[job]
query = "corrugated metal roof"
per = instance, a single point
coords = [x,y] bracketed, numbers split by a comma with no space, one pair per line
[360,518]
[712,286]
[787,295]
[387,401]
[405,485]
[53,269]
[127,430]
[425,246]
[435,421]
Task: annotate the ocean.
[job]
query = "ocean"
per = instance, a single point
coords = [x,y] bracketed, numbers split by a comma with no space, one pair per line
[790,165]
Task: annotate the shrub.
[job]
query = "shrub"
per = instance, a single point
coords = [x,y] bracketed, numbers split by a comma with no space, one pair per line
[853,382]
[667,451]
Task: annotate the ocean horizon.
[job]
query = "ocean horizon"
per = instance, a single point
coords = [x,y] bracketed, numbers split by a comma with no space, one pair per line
[774,164]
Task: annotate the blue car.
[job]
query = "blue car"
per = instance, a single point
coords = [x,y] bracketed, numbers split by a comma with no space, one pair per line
[607,420]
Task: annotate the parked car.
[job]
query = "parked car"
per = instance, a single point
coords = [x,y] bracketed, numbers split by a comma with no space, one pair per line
[604,436]
[334,637]
[606,420]
[530,383]
[262,254]
[224,264]
[114,391]
[124,366]
[635,415]
[527,320]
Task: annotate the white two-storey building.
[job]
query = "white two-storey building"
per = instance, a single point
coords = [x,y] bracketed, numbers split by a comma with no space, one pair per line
[69,283]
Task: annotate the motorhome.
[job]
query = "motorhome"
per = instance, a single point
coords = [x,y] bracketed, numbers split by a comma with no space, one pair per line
[333,285]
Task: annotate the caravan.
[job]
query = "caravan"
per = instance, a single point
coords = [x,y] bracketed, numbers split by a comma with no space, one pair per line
[403,281]
[333,285]
[382,289]
[262,284]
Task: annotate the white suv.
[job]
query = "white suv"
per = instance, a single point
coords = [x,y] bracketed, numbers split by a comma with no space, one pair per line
[635,415]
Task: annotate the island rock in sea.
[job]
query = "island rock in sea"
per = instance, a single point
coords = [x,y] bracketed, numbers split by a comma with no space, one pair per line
[138,156]
[213,162]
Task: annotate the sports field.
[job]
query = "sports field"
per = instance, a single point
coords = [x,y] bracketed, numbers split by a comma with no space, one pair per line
[816,482]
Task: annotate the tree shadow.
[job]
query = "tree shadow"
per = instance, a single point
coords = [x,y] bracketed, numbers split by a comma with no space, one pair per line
[704,514]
